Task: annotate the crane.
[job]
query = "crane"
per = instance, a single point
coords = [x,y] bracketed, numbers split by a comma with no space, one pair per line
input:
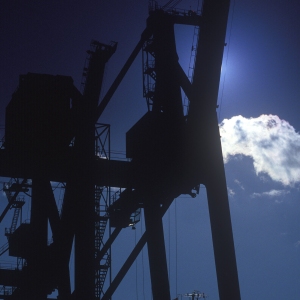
[170,154]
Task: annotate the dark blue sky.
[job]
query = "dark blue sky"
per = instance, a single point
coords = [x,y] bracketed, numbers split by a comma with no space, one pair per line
[260,75]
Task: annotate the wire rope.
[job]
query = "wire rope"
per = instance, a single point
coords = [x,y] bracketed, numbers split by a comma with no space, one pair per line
[169,241]
[143,274]
[226,61]
[136,270]
[176,267]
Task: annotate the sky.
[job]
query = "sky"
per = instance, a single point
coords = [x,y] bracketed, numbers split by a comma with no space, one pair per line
[259,101]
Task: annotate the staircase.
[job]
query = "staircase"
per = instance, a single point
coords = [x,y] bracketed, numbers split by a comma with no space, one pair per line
[101,273]
[102,264]
[17,205]
[149,74]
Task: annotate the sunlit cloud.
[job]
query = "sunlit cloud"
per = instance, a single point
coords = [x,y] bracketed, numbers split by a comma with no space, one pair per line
[271,194]
[272,143]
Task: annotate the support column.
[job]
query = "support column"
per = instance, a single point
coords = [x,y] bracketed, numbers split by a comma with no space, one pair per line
[83,190]
[157,252]
[36,287]
[85,243]
[221,228]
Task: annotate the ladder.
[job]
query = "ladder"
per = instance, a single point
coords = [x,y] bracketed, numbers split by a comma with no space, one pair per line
[17,205]
[102,264]
[101,274]
[149,74]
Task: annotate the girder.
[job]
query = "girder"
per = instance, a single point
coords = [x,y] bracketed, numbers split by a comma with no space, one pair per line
[105,172]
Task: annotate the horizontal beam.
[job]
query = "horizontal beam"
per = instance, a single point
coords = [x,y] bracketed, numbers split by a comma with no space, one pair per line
[61,168]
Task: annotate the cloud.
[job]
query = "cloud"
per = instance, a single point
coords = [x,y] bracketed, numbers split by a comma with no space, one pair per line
[272,143]
[297,244]
[263,178]
[278,194]
[272,193]
[231,192]
[239,184]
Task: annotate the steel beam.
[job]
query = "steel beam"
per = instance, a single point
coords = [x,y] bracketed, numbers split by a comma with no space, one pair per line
[145,35]
[157,252]
[105,172]
[52,210]
[36,287]
[204,144]
[133,255]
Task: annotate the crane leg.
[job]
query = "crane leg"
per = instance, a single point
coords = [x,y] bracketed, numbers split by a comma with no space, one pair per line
[157,252]
[220,220]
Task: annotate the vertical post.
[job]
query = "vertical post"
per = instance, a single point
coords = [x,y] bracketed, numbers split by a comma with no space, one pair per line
[157,251]
[36,287]
[205,153]
[85,243]
[220,220]
[84,186]
[84,191]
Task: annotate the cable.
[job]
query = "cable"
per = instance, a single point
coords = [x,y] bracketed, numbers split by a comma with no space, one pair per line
[143,277]
[223,84]
[169,241]
[176,279]
[136,270]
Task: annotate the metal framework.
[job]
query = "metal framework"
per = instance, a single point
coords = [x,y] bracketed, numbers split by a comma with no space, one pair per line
[102,203]
[171,152]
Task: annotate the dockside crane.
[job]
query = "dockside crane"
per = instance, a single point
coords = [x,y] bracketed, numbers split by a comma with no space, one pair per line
[171,153]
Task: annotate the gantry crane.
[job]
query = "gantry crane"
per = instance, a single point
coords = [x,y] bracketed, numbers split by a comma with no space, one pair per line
[171,153]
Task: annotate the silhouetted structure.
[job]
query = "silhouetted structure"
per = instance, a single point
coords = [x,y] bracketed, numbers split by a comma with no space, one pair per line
[50,136]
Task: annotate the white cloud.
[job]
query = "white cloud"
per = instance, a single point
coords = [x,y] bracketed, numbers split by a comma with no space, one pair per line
[271,193]
[239,184]
[272,143]
[231,192]
[278,201]
[263,178]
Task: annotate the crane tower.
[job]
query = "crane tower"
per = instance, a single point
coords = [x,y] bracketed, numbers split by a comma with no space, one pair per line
[50,137]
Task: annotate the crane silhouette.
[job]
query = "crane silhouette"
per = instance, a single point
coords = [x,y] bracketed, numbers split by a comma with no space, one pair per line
[171,153]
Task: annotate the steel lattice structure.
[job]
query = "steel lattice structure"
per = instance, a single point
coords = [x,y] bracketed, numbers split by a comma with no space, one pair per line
[170,152]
